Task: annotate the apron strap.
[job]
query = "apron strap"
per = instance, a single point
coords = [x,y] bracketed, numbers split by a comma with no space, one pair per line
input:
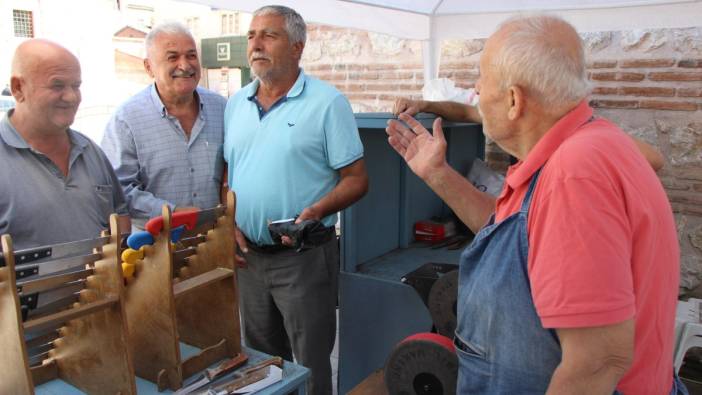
[530,192]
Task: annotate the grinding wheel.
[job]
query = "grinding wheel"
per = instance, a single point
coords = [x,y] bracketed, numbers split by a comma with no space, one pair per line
[422,364]
[442,303]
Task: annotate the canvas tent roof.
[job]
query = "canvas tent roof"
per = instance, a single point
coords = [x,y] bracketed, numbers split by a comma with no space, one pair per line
[434,20]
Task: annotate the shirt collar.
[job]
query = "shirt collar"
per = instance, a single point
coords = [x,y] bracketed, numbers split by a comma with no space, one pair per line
[522,172]
[161,108]
[11,136]
[295,90]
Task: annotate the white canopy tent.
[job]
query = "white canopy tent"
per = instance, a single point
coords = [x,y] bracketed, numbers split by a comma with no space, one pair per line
[432,21]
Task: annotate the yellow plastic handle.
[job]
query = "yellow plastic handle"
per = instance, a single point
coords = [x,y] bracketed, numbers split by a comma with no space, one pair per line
[130,256]
[128,270]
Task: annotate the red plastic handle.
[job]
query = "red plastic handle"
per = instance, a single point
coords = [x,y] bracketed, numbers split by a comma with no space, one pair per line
[433,338]
[187,218]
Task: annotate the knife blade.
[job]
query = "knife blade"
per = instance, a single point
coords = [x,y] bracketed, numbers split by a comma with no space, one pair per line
[51,307]
[180,256]
[56,251]
[40,349]
[41,338]
[191,219]
[193,240]
[52,281]
[61,265]
[38,358]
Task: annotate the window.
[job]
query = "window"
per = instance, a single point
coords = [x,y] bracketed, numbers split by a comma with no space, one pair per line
[24,26]
[230,23]
[194,25]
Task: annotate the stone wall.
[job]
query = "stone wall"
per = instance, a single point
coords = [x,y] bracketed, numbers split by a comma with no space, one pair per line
[647,81]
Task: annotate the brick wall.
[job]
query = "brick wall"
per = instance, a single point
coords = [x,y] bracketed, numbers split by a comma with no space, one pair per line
[647,81]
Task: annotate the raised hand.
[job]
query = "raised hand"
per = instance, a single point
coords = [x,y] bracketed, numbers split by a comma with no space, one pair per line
[422,151]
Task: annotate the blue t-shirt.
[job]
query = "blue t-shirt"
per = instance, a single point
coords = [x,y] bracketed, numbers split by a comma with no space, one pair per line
[286,159]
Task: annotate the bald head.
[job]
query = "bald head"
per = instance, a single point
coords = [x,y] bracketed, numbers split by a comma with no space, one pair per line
[45,82]
[543,54]
[32,55]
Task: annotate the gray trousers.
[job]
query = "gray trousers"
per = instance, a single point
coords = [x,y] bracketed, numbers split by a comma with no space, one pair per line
[288,307]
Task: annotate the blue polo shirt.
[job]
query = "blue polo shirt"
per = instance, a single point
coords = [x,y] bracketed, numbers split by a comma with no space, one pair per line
[284,160]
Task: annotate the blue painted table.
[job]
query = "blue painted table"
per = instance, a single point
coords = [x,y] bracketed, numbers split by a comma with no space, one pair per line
[294,378]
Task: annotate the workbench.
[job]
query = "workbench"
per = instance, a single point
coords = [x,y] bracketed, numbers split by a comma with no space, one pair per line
[294,378]
[377,310]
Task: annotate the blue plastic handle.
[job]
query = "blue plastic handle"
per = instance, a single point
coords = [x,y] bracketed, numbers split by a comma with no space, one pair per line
[138,239]
[176,233]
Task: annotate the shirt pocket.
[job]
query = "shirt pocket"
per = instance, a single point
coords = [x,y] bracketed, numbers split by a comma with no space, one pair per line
[104,198]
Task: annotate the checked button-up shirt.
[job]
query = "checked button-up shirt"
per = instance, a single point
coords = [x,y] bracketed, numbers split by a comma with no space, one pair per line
[155,161]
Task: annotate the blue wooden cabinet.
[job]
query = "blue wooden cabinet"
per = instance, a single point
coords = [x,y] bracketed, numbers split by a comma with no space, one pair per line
[376,309]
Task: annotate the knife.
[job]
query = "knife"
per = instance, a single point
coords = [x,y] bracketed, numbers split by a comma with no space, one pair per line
[40,349]
[191,219]
[141,238]
[180,257]
[251,375]
[240,382]
[41,338]
[52,281]
[37,359]
[61,265]
[138,239]
[49,308]
[56,251]
[213,373]
[193,240]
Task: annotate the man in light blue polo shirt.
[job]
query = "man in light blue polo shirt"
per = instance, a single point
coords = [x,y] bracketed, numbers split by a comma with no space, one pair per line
[292,148]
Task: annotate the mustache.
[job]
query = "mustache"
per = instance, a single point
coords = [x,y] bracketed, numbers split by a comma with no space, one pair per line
[183,73]
[258,55]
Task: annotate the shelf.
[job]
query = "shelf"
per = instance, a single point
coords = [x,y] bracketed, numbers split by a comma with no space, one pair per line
[397,263]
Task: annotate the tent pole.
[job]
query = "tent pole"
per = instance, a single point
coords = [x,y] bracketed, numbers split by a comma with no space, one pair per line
[431,53]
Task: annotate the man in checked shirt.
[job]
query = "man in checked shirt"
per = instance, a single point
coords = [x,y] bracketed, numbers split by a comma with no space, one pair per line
[165,142]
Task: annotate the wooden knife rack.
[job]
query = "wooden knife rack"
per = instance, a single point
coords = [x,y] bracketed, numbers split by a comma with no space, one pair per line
[87,339]
[196,304]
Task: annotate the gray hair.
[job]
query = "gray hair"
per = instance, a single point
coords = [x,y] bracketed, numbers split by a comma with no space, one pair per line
[165,28]
[294,24]
[530,55]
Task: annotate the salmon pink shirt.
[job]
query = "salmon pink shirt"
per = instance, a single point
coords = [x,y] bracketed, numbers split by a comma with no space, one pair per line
[603,244]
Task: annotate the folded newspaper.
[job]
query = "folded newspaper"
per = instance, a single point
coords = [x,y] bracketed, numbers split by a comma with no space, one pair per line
[273,374]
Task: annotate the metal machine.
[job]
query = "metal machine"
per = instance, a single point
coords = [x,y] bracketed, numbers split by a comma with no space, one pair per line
[377,310]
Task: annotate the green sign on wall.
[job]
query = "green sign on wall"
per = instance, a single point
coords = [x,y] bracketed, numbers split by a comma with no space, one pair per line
[226,52]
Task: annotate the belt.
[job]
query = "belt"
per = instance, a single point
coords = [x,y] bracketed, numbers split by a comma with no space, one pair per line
[327,236]
[267,248]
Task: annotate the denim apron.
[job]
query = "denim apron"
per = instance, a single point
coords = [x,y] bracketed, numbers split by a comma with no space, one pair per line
[501,345]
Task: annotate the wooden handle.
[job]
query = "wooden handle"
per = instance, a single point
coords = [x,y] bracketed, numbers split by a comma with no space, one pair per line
[277,361]
[227,366]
